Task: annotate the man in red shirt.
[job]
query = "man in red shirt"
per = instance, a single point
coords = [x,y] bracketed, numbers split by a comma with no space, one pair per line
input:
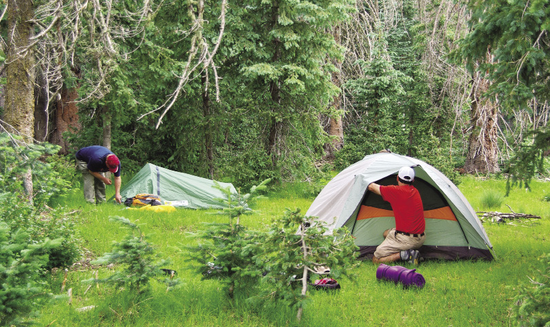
[401,242]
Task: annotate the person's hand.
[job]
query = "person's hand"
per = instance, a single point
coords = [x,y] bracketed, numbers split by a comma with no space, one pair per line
[107,181]
[118,198]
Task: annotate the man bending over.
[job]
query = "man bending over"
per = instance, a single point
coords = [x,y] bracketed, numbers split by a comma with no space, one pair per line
[93,161]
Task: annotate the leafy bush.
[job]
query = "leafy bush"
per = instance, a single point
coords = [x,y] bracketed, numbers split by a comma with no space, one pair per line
[50,223]
[240,257]
[63,167]
[532,301]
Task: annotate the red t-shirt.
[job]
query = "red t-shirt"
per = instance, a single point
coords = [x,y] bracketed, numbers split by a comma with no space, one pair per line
[407,207]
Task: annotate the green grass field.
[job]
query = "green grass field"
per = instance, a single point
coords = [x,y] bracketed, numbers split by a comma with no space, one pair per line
[456,293]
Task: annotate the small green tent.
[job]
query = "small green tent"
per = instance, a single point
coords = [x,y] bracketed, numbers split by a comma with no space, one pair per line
[181,189]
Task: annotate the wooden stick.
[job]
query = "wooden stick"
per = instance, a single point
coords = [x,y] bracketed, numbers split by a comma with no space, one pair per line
[64,280]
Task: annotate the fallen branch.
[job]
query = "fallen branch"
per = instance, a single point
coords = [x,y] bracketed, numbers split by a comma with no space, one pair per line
[498,217]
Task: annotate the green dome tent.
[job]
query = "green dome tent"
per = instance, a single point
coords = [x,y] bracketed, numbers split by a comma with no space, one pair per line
[453,230]
[183,190]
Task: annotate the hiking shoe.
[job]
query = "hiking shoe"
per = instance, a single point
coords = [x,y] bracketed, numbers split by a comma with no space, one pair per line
[411,256]
[414,257]
[405,255]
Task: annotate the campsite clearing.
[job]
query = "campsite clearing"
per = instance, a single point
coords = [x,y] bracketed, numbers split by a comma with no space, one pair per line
[460,293]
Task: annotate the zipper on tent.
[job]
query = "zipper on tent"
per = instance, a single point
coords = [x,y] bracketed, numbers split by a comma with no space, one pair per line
[158,181]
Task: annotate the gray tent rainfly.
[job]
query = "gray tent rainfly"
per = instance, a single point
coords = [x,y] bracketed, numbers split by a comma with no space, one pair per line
[182,190]
[453,230]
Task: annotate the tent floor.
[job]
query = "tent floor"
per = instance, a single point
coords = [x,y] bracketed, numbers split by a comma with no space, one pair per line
[438,253]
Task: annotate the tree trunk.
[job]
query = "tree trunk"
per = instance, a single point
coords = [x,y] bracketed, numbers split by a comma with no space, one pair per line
[207,129]
[106,137]
[335,128]
[106,128]
[275,90]
[65,119]
[482,144]
[19,109]
[2,91]
[276,126]
[41,112]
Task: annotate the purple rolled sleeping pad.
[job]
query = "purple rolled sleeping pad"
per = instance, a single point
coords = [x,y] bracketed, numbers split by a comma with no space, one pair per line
[398,274]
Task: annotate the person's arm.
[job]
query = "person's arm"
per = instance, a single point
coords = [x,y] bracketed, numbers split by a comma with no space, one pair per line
[118,182]
[100,177]
[374,188]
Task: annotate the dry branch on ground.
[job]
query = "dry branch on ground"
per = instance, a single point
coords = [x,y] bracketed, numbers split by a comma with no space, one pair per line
[495,216]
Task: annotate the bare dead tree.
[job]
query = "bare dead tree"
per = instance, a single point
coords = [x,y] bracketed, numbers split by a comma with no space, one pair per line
[444,23]
[199,59]
[483,150]
[59,25]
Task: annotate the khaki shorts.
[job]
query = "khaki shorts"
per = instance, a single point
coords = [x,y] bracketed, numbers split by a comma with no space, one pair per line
[395,243]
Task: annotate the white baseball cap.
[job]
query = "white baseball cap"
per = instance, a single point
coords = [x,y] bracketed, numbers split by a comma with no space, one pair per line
[406,174]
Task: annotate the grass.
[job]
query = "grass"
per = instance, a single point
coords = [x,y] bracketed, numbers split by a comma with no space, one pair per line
[461,293]
[491,199]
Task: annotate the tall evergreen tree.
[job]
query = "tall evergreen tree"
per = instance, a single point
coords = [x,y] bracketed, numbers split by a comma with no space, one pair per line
[282,51]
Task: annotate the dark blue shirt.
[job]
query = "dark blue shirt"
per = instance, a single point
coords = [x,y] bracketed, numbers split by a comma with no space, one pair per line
[95,157]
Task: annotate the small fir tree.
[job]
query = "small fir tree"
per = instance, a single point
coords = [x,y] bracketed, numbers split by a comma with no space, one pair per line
[297,246]
[136,255]
[226,250]
[22,285]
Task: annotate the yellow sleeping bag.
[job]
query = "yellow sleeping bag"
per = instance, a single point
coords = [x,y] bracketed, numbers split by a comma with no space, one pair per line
[159,208]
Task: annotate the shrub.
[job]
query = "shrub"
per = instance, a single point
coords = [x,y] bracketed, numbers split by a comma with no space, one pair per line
[35,217]
[136,255]
[532,301]
[287,257]
[239,257]
[16,159]
[227,250]
[22,286]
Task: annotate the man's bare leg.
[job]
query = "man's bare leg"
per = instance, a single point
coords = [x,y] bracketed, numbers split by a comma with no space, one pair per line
[390,258]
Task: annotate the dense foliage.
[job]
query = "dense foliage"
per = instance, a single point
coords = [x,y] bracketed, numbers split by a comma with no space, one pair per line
[533,300]
[294,249]
[242,92]
[34,238]
[273,80]
[276,264]
[35,217]
[226,251]
[23,287]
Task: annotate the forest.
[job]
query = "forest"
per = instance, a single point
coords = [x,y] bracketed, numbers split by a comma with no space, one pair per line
[281,89]
[275,97]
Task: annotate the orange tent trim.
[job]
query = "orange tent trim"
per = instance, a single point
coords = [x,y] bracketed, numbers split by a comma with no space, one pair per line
[367,212]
